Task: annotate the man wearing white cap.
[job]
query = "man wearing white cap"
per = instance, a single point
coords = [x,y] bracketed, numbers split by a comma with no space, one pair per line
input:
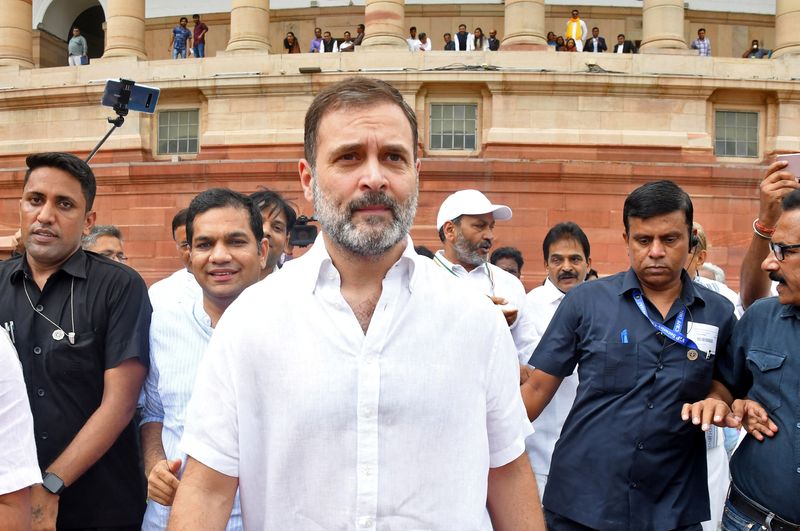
[466,228]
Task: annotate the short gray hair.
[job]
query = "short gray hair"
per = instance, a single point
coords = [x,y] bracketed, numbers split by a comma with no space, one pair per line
[97,231]
[719,274]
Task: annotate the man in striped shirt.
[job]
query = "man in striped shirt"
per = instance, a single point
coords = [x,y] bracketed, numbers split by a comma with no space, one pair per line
[228,250]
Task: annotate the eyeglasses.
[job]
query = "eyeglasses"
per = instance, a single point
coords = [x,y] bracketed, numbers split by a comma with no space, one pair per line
[117,257]
[780,249]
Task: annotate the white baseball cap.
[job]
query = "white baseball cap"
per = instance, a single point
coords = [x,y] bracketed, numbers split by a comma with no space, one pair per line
[470,203]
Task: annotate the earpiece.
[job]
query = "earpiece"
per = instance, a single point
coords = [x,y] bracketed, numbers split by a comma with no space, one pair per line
[694,241]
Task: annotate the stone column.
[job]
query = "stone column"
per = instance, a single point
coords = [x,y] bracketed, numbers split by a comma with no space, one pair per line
[125,29]
[385,22]
[524,25]
[249,26]
[662,25]
[787,23]
[16,45]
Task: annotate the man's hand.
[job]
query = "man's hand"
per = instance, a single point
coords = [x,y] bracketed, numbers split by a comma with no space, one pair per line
[163,481]
[44,509]
[710,411]
[775,186]
[510,314]
[754,419]
[525,372]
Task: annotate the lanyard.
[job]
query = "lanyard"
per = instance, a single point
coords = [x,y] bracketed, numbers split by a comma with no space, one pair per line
[438,261]
[673,333]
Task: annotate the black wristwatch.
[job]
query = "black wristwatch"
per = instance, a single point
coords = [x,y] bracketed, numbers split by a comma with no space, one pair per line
[52,483]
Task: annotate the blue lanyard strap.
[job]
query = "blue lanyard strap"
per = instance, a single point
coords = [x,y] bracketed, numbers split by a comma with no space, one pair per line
[675,333]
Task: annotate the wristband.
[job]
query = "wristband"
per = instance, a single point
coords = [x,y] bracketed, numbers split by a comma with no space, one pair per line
[761,231]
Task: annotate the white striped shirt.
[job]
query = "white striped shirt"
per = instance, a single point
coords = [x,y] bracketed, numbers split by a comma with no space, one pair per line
[179,334]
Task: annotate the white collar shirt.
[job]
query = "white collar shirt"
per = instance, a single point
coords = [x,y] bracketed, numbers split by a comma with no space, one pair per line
[179,335]
[491,280]
[178,286]
[723,290]
[19,465]
[330,428]
[542,303]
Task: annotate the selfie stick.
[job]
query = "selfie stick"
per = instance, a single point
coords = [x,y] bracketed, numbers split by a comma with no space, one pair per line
[121,108]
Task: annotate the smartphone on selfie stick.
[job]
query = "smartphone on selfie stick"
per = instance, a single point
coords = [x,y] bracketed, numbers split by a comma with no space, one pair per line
[124,95]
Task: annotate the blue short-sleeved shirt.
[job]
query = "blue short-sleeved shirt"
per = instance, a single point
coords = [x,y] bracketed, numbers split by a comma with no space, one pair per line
[181,34]
[765,366]
[625,458]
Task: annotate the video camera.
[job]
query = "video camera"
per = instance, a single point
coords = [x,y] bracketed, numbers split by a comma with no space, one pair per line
[303,234]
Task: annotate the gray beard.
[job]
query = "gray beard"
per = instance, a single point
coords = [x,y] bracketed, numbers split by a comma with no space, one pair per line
[467,252]
[373,236]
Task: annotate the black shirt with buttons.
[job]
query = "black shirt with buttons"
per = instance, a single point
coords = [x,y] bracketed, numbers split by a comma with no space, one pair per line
[108,304]
[766,368]
[625,458]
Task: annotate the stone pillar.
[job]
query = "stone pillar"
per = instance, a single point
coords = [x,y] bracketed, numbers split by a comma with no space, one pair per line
[662,25]
[16,45]
[125,29]
[787,23]
[249,26]
[385,22]
[524,25]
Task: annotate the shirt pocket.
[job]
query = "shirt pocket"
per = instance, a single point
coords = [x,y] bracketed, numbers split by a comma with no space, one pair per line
[764,364]
[620,367]
[70,362]
[697,375]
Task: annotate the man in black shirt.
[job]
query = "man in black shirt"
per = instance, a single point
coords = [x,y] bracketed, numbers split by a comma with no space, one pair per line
[494,42]
[80,326]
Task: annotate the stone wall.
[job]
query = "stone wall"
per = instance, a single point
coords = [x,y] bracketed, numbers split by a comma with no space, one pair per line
[556,141]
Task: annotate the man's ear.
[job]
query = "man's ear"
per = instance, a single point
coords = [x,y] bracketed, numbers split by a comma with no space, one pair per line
[264,248]
[88,222]
[625,239]
[306,175]
[449,229]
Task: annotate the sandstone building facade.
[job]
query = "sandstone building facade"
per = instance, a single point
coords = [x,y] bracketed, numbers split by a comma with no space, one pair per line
[556,136]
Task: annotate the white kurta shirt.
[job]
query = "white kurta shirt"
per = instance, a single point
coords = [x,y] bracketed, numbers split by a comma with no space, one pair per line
[179,335]
[541,304]
[19,466]
[329,428]
[492,281]
[178,286]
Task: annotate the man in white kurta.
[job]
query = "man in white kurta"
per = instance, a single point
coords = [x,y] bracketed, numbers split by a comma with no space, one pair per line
[576,29]
[19,466]
[566,257]
[362,387]
[400,425]
[466,222]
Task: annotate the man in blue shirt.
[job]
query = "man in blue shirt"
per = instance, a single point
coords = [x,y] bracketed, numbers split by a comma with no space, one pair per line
[645,341]
[765,368]
[181,39]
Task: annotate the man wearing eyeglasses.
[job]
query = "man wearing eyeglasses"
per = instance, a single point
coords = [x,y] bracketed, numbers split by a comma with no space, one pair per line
[105,240]
[765,369]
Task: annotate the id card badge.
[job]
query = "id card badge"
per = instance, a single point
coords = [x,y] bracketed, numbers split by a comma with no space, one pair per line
[705,336]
